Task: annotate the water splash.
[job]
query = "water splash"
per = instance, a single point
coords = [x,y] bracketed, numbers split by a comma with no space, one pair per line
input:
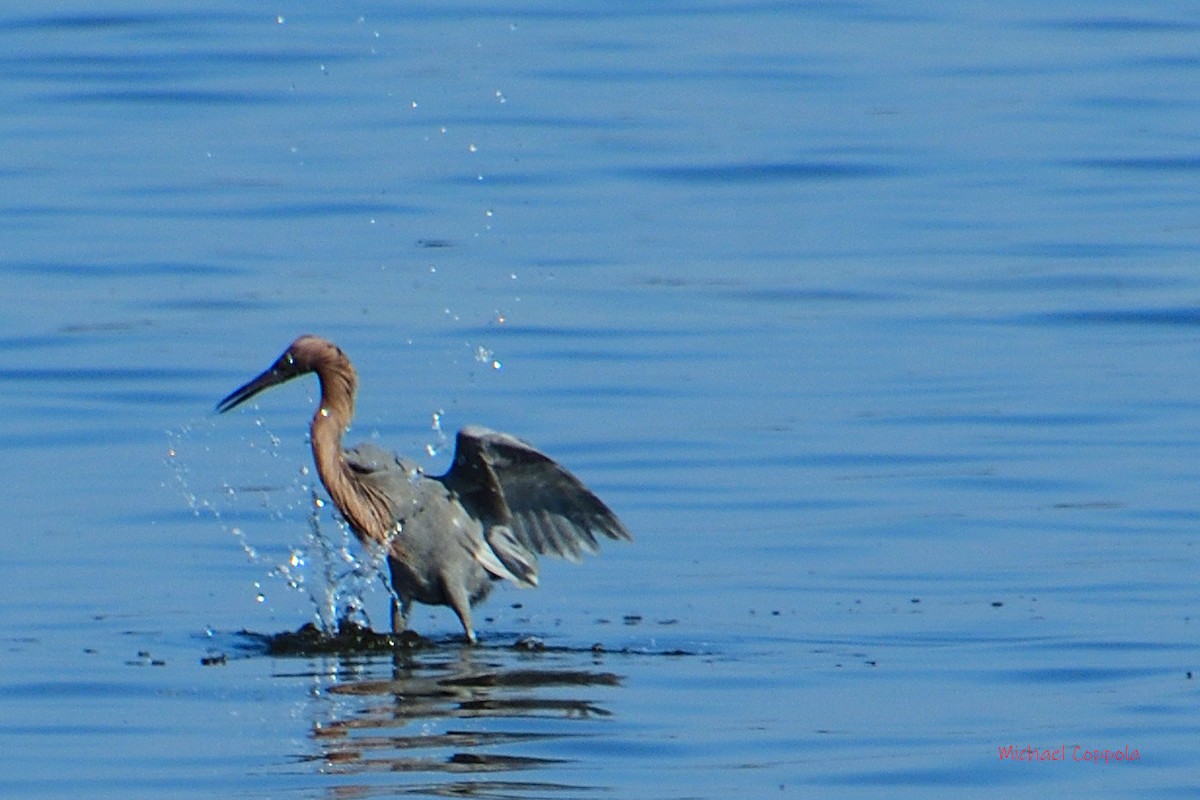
[320,559]
[441,440]
[485,356]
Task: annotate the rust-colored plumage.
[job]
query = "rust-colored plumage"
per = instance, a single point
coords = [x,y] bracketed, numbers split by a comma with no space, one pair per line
[447,538]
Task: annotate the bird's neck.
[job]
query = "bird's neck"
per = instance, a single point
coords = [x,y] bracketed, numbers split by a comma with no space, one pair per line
[366,510]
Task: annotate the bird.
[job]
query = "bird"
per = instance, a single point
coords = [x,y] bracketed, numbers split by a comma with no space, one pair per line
[447,538]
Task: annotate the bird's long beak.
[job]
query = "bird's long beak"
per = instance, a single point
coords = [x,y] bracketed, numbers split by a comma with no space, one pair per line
[281,371]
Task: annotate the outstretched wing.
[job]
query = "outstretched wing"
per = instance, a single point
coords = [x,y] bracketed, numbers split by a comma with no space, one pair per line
[505,481]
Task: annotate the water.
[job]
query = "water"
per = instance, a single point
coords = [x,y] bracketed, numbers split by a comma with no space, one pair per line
[877,326]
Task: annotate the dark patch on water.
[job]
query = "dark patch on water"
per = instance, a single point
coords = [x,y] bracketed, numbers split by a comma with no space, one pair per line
[352,639]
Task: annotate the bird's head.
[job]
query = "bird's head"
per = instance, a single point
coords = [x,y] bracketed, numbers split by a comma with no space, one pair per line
[306,354]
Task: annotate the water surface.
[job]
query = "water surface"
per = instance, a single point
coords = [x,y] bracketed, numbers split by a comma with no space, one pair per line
[878,328]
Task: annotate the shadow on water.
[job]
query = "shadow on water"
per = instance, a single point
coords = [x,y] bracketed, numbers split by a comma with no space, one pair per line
[444,714]
[387,729]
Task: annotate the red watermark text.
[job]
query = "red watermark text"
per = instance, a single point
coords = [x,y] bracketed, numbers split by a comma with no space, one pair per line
[1065,752]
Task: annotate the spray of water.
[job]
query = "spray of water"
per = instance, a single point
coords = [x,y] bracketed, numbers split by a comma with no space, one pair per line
[440,438]
[321,558]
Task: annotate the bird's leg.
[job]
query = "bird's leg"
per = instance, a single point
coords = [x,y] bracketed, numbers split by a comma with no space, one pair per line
[400,611]
[457,599]
[401,604]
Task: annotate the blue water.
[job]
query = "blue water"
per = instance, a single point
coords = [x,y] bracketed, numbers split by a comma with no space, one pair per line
[877,325]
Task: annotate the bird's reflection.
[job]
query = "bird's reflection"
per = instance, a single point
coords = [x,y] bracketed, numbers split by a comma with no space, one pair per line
[459,713]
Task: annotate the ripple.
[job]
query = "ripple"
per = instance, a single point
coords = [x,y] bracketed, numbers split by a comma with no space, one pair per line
[1182,316]
[1150,164]
[766,172]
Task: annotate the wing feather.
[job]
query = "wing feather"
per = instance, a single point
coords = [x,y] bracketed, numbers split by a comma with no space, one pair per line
[506,481]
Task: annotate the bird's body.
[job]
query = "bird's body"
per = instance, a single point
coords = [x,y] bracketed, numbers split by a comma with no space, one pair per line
[448,538]
[471,553]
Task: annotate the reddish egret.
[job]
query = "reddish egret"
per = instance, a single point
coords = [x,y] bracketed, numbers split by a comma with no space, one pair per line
[447,538]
